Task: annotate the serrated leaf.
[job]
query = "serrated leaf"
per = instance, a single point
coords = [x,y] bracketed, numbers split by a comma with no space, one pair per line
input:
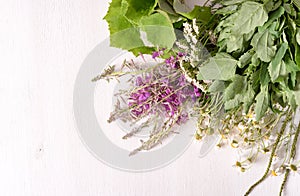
[275,66]
[243,22]
[262,103]
[133,26]
[220,67]
[137,9]
[263,44]
[252,15]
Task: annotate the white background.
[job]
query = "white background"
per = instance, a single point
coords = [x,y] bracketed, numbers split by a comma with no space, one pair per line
[42,46]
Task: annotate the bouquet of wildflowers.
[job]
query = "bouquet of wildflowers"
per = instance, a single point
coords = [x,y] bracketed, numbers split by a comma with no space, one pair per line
[232,64]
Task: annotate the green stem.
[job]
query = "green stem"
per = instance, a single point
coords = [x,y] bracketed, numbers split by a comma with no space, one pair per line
[286,175]
[283,127]
[293,154]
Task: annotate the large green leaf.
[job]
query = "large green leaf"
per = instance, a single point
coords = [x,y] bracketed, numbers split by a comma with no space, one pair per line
[242,23]
[252,15]
[123,33]
[276,63]
[133,25]
[159,30]
[220,67]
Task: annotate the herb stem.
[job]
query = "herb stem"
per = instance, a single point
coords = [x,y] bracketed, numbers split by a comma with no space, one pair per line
[282,130]
[293,154]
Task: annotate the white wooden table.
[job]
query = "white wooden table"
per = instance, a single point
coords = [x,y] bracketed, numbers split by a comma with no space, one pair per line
[42,46]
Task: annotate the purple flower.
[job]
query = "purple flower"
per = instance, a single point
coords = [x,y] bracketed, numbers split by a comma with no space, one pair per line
[157,54]
[181,54]
[197,91]
[172,61]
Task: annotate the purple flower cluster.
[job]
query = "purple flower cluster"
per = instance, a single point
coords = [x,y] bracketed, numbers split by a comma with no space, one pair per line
[155,96]
[150,96]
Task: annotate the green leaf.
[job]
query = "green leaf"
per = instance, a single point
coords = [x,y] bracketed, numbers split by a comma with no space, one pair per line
[123,33]
[272,5]
[252,15]
[298,36]
[297,55]
[290,98]
[166,6]
[262,103]
[237,86]
[274,16]
[227,10]
[232,2]
[159,30]
[133,26]
[264,75]
[297,3]
[291,65]
[181,7]
[233,103]
[276,63]
[220,67]
[200,13]
[263,44]
[289,8]
[248,98]
[297,90]
[217,86]
[137,9]
[245,59]
[243,22]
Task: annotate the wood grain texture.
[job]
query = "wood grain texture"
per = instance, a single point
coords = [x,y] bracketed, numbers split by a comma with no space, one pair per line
[42,46]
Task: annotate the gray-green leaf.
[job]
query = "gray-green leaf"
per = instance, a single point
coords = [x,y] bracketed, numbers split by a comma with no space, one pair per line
[275,65]
[263,44]
[220,67]
[262,103]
